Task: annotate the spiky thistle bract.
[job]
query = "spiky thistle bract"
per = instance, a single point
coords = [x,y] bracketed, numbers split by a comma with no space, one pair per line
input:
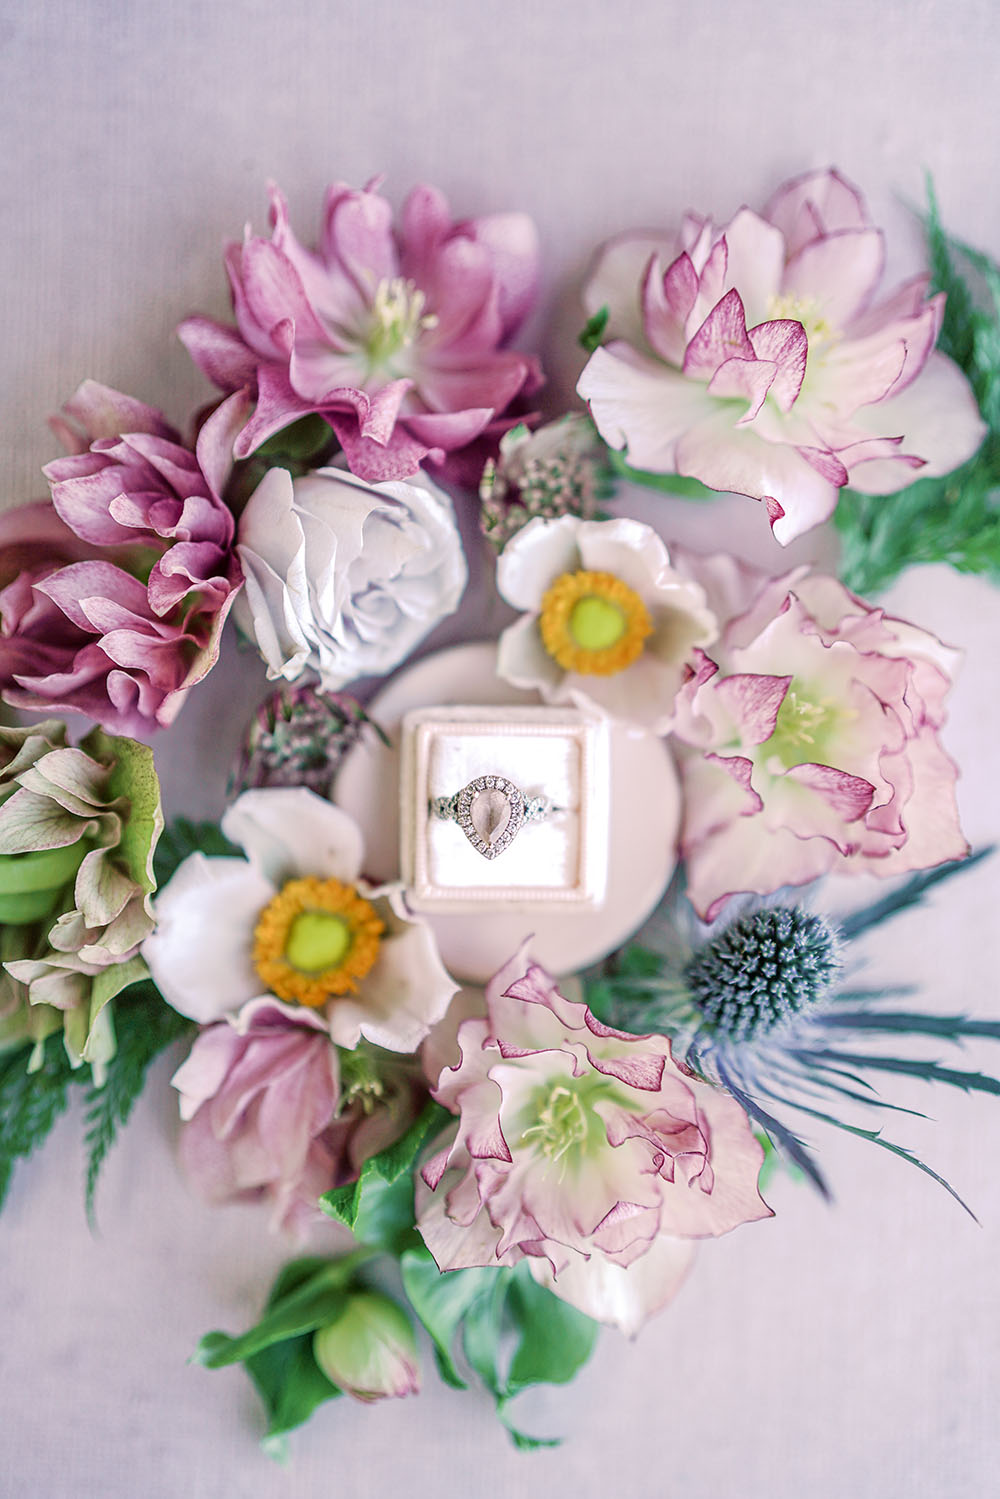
[763,1004]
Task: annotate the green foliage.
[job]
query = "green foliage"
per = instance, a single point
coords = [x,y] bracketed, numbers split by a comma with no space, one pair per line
[639,991]
[277,1352]
[955,518]
[514,1333]
[308,1294]
[183,837]
[31,1102]
[593,330]
[378,1207]
[144,1025]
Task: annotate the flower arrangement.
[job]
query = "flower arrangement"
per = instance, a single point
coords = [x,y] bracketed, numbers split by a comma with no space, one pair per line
[532,1148]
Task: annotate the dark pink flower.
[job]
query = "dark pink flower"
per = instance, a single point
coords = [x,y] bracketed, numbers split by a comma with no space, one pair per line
[113,596]
[395,336]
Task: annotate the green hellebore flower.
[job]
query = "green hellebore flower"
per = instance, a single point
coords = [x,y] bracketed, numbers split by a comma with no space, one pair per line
[370,1351]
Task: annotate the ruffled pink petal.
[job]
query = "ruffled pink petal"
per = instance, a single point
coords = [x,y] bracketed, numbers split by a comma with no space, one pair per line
[840,272]
[816,203]
[219,352]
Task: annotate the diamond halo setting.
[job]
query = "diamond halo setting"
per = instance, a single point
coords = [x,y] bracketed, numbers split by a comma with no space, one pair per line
[491,812]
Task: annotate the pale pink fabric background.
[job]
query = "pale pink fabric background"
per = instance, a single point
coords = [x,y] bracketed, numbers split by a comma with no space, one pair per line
[827,1354]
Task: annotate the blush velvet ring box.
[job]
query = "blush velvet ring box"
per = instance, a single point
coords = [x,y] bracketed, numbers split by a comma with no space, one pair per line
[504,806]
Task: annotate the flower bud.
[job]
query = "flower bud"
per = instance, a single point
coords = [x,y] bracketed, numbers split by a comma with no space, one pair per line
[370,1351]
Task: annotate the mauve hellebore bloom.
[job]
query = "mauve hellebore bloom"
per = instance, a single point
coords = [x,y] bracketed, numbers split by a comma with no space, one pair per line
[394,336]
[587,1151]
[274,1110]
[114,594]
[755,358]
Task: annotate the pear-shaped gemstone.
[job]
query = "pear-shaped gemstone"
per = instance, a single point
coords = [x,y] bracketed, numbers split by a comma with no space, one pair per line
[490,813]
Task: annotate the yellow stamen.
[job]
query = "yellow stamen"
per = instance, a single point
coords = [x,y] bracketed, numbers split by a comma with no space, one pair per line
[594,623]
[315,940]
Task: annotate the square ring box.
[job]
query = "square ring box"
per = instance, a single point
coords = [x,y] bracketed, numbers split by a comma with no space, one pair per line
[555,854]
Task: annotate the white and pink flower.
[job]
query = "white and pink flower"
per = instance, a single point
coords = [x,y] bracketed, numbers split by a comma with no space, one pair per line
[396,336]
[755,357]
[205,954]
[587,1151]
[812,733]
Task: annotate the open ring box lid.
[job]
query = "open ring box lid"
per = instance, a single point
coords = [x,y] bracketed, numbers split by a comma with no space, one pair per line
[557,753]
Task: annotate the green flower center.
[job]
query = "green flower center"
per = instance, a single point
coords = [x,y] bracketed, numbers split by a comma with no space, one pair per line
[802,728]
[596,623]
[317,940]
[563,1121]
[397,320]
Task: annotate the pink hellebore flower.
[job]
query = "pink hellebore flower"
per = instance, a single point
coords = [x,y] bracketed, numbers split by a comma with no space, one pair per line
[756,359]
[813,733]
[273,1109]
[113,596]
[259,1094]
[394,337]
[588,1151]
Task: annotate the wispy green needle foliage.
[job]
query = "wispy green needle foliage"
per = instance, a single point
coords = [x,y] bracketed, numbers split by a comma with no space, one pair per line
[31,1102]
[144,1026]
[955,518]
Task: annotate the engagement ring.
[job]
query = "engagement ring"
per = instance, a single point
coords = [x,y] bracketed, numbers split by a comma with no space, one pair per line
[490,811]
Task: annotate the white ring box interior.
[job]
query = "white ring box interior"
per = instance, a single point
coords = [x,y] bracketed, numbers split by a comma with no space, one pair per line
[554,752]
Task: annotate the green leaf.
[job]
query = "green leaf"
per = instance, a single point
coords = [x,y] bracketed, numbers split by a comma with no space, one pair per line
[593,330]
[144,1025]
[482,1326]
[31,1102]
[375,1214]
[302,440]
[441,1301]
[954,518]
[291,1384]
[555,1340]
[309,1302]
[183,837]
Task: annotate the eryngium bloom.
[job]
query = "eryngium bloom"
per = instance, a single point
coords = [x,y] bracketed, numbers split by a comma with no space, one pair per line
[395,336]
[584,1149]
[114,594]
[756,359]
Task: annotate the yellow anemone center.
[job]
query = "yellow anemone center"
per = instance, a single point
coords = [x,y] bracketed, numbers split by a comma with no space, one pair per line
[594,623]
[315,940]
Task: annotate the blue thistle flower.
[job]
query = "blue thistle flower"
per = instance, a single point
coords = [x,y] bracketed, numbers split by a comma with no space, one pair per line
[762,970]
[759,1004]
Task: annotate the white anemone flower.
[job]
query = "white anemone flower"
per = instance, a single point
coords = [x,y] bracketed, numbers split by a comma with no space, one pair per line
[609,624]
[294,921]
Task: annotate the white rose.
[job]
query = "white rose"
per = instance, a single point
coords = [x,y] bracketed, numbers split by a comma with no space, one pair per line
[342,576]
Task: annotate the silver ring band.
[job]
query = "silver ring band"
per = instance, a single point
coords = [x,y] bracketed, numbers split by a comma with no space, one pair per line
[491,811]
